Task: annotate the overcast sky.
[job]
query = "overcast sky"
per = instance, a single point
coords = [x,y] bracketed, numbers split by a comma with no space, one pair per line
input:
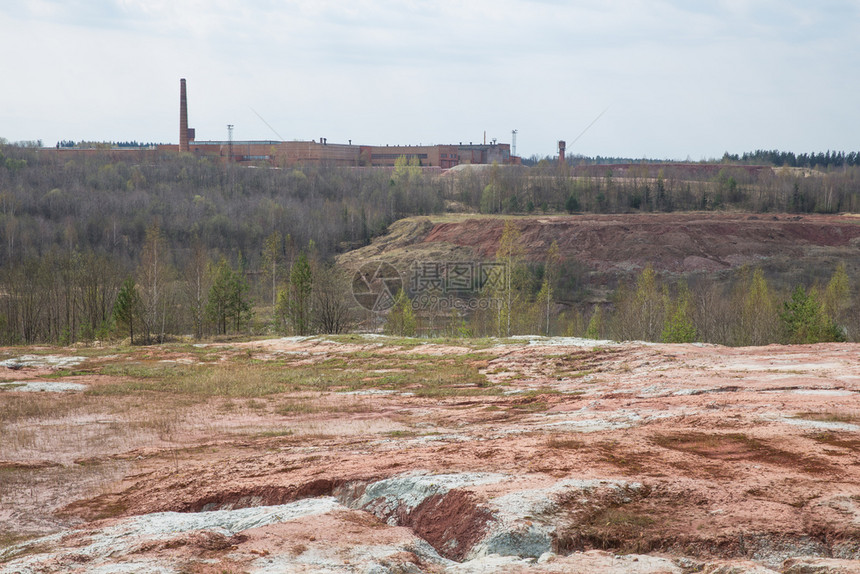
[676,79]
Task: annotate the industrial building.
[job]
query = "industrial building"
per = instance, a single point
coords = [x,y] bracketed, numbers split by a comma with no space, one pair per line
[293,153]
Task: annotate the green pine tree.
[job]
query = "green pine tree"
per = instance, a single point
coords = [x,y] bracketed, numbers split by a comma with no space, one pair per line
[595,324]
[679,327]
[127,306]
[401,318]
[301,287]
[228,302]
[804,319]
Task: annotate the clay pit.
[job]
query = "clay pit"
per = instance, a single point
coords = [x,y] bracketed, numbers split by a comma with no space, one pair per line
[370,454]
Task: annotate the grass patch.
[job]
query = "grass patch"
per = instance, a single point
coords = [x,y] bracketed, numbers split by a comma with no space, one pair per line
[731,447]
[247,380]
[13,552]
[837,439]
[830,417]
[41,406]
[296,407]
[564,442]
[441,391]
[573,374]
[430,376]
[619,519]
[388,341]
[63,373]
[402,434]
[311,405]
[8,539]
[583,362]
[246,377]
[629,462]
[535,400]
[622,528]
[529,405]
[622,518]
[412,342]
[12,466]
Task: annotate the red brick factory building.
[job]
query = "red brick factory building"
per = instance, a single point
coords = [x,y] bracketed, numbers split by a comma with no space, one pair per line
[291,153]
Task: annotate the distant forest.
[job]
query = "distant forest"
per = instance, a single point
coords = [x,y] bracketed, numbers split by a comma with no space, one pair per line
[75,229]
[773,158]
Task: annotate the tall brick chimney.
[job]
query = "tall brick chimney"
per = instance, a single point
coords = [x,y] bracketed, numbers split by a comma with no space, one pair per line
[561,158]
[183,117]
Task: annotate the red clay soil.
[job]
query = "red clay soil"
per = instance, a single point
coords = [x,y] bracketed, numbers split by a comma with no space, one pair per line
[675,242]
[703,452]
[452,523]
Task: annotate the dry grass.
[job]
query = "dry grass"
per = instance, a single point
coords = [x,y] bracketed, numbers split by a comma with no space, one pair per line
[852,417]
[11,553]
[558,441]
[340,428]
[245,377]
[8,539]
[734,447]
[630,462]
[297,407]
[67,439]
[16,408]
[66,426]
[619,527]
[224,380]
[404,434]
[528,405]
[841,440]
[36,494]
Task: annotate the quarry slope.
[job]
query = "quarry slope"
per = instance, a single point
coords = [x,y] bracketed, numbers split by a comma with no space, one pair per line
[623,243]
[372,454]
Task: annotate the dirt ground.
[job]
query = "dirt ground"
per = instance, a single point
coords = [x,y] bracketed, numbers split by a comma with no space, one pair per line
[795,248]
[370,454]
[671,242]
